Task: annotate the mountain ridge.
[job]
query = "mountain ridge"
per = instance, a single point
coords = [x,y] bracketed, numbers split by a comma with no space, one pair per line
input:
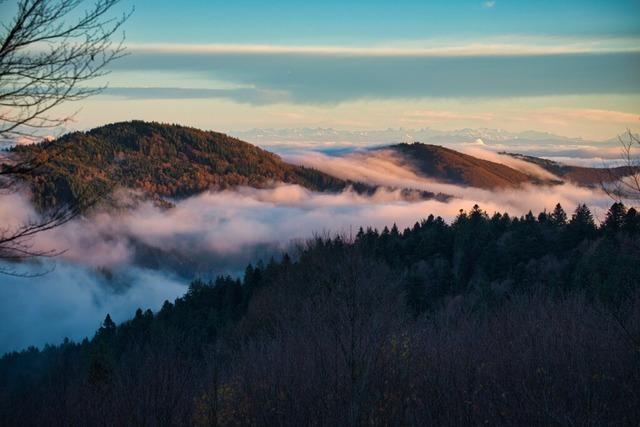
[165,161]
[170,161]
[454,167]
[585,176]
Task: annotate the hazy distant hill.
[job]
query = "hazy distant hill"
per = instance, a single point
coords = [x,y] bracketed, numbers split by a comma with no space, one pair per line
[444,164]
[577,174]
[162,160]
[451,166]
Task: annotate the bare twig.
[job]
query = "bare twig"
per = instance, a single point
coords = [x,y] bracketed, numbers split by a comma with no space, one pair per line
[48,52]
[626,186]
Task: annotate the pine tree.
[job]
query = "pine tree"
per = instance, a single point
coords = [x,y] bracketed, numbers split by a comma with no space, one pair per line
[543,217]
[615,217]
[529,218]
[582,226]
[477,214]
[583,217]
[100,370]
[632,221]
[108,326]
[558,216]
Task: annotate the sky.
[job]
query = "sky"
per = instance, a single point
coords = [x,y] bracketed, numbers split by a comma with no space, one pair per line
[565,67]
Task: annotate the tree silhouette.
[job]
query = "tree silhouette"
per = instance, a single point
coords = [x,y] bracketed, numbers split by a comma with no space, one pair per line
[49,51]
[626,187]
[558,216]
[615,217]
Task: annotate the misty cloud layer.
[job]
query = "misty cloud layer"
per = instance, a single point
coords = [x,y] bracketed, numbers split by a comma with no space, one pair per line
[72,300]
[116,262]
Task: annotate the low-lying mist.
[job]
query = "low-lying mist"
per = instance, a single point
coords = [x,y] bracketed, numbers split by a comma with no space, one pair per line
[117,261]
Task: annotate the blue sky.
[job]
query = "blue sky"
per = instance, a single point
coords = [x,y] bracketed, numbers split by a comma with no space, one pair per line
[374,21]
[567,67]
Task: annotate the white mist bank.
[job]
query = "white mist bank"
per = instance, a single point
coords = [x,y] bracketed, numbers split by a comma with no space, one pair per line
[383,167]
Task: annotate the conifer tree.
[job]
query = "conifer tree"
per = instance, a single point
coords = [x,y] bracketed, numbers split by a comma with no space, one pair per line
[632,221]
[615,217]
[558,216]
[582,226]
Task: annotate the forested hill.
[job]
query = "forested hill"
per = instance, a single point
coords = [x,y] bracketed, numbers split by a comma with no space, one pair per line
[458,168]
[452,166]
[578,174]
[162,160]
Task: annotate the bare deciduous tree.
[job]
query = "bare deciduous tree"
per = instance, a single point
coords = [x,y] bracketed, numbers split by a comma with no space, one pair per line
[46,56]
[627,187]
[49,51]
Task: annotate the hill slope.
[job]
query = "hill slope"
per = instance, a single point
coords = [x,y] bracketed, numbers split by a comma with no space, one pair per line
[454,167]
[451,166]
[585,176]
[162,160]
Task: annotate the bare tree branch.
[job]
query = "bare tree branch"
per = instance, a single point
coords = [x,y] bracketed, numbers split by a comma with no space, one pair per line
[49,51]
[45,58]
[626,187]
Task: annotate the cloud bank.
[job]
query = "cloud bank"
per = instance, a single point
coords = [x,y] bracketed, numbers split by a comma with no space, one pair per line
[118,261]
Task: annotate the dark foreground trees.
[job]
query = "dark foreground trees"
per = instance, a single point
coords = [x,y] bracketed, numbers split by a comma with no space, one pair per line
[491,320]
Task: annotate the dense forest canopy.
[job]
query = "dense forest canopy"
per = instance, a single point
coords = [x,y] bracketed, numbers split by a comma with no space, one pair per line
[531,320]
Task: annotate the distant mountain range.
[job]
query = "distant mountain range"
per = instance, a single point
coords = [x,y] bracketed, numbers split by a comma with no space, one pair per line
[390,136]
[172,161]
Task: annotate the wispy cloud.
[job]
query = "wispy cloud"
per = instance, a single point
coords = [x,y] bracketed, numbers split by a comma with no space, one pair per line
[505,45]
[329,79]
[244,95]
[488,4]
[572,117]
[593,114]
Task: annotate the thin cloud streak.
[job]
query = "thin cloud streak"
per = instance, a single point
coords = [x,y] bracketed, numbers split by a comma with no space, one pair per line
[494,47]
[241,95]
